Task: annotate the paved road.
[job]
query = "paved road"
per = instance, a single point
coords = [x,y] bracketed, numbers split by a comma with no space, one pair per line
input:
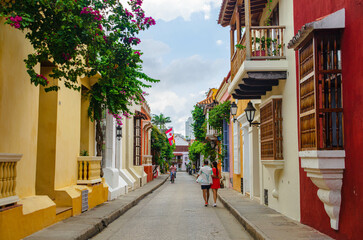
[175,211]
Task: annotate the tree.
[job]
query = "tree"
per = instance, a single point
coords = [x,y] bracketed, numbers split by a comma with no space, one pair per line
[160,148]
[85,38]
[160,121]
[198,125]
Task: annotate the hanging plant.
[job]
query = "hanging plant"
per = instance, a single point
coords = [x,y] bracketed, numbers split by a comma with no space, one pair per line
[218,114]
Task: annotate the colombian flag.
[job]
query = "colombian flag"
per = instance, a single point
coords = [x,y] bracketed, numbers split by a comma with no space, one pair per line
[170,135]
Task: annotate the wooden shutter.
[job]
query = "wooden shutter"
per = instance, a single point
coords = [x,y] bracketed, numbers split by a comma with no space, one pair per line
[271,130]
[321,98]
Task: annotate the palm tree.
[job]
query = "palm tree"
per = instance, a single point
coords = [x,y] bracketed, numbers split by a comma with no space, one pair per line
[160,121]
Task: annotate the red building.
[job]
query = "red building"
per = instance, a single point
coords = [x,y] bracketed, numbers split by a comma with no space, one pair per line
[329,86]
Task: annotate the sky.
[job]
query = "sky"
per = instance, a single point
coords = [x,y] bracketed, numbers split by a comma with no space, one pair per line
[187,51]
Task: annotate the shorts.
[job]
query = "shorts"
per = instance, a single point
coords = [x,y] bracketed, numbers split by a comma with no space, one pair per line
[205,186]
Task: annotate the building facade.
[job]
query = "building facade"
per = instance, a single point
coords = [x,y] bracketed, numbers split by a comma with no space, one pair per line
[328,84]
[43,174]
[260,62]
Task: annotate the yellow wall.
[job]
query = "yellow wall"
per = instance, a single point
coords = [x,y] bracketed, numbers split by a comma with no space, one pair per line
[87,126]
[46,144]
[19,101]
[68,136]
[241,105]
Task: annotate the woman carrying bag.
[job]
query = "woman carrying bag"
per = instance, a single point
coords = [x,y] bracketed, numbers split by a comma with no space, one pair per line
[205,179]
[216,182]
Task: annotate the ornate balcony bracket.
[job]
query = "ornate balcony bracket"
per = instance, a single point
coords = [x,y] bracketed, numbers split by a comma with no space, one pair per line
[275,167]
[8,162]
[325,169]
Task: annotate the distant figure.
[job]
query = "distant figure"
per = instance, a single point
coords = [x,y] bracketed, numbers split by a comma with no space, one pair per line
[216,182]
[172,170]
[205,179]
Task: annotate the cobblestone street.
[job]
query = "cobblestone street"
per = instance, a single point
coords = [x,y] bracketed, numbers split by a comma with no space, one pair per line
[175,211]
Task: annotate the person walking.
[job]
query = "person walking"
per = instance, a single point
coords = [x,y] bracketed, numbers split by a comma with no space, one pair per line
[205,179]
[216,182]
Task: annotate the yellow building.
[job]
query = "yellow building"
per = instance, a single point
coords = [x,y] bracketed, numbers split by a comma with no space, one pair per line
[42,175]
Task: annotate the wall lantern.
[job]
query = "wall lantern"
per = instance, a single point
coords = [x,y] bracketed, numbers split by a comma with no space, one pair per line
[234,110]
[213,144]
[118,132]
[250,113]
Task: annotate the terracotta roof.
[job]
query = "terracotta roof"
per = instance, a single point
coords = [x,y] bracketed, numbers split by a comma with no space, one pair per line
[335,20]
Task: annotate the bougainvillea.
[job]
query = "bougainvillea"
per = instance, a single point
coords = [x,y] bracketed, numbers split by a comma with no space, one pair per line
[82,38]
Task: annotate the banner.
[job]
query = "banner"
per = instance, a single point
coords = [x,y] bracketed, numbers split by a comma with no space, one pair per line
[170,135]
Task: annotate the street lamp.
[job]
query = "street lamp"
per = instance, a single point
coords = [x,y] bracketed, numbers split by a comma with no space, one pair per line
[250,113]
[234,110]
[118,132]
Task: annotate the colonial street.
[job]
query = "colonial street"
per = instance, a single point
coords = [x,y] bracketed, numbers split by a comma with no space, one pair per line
[175,211]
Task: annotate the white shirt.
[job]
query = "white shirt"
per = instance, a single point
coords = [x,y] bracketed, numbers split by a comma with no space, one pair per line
[205,173]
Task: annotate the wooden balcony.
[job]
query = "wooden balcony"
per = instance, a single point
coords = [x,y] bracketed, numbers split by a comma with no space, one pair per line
[8,178]
[265,43]
[89,170]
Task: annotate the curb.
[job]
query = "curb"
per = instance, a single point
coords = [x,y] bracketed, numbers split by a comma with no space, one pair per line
[251,228]
[104,222]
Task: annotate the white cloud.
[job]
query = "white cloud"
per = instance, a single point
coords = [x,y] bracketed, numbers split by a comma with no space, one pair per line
[168,10]
[219,42]
[183,82]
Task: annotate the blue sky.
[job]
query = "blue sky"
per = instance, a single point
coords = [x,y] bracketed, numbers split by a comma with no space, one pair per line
[187,51]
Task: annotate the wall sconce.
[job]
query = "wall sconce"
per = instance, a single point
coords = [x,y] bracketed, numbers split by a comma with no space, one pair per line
[118,132]
[250,114]
[234,110]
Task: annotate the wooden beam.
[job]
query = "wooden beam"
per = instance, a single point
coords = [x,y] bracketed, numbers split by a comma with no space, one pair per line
[256,82]
[236,96]
[248,29]
[249,93]
[254,88]
[267,75]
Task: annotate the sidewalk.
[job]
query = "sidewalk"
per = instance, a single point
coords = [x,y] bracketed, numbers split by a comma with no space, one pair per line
[263,222]
[92,222]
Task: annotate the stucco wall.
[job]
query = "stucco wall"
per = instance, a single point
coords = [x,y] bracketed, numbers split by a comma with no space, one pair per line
[351,212]
[68,136]
[288,201]
[19,101]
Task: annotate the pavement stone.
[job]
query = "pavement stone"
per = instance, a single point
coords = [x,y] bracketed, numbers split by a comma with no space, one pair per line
[92,222]
[263,222]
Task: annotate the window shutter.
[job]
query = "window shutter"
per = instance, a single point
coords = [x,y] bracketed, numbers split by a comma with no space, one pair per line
[236,149]
[271,130]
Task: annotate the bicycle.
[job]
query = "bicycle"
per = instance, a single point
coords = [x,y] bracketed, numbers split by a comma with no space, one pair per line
[172,177]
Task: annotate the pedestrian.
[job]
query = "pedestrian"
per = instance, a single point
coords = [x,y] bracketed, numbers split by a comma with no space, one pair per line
[216,182]
[172,173]
[205,179]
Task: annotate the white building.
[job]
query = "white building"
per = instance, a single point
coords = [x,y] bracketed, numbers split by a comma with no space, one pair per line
[189,134]
[181,152]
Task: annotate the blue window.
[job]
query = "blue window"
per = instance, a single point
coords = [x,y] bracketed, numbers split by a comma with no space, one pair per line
[225,145]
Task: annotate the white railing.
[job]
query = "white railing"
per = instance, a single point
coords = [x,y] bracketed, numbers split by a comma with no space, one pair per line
[8,163]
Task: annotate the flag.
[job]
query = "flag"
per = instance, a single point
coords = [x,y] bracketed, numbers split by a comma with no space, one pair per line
[170,135]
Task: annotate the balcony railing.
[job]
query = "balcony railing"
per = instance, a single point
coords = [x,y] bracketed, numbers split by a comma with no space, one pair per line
[266,43]
[8,178]
[89,170]
[148,160]
[211,132]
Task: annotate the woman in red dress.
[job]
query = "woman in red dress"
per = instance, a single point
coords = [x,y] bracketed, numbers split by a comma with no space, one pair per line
[216,184]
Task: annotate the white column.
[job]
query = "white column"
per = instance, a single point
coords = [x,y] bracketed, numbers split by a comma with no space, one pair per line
[110,142]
